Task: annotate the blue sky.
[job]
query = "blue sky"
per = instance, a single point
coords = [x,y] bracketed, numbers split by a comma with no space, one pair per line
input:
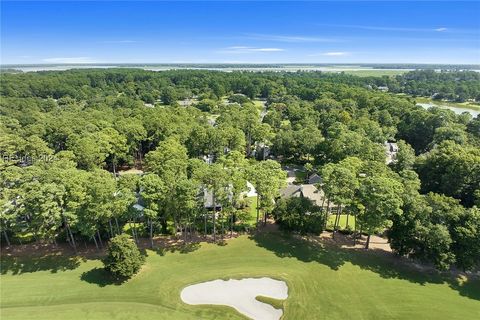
[240,32]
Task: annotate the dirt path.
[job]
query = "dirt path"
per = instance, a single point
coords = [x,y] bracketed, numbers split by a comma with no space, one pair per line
[344,241]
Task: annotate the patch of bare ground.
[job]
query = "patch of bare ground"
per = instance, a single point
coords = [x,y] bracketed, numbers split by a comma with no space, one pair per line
[89,251]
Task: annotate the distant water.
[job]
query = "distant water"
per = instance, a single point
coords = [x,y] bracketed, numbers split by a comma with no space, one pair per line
[457,110]
[34,68]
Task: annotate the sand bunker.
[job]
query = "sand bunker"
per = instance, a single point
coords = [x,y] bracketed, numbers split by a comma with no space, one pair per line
[239,294]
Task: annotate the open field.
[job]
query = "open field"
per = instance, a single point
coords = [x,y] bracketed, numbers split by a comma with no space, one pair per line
[376,72]
[466,105]
[325,282]
[342,223]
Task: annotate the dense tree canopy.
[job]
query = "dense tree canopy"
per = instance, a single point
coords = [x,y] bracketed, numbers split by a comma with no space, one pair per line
[67,138]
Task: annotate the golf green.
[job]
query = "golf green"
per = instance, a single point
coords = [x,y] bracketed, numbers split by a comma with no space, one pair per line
[323,282]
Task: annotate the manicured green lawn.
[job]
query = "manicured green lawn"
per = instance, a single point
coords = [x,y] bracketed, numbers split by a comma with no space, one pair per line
[467,104]
[324,283]
[342,223]
[252,218]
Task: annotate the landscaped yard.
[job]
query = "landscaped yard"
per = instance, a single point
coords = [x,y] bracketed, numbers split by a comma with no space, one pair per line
[342,223]
[324,283]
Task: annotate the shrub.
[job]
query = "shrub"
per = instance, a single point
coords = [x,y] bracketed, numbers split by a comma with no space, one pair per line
[123,258]
[299,214]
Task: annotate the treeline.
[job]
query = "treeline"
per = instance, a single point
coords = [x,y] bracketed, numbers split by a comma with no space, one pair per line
[458,86]
[65,135]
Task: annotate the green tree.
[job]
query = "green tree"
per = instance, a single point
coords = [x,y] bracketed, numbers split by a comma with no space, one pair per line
[381,199]
[405,158]
[268,178]
[169,96]
[340,184]
[123,258]
[153,194]
[299,214]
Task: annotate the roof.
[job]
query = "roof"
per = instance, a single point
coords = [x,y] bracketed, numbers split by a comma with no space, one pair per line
[391,151]
[290,191]
[313,193]
[138,207]
[309,191]
[314,178]
[208,200]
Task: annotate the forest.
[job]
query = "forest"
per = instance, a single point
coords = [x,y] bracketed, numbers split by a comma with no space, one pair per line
[69,139]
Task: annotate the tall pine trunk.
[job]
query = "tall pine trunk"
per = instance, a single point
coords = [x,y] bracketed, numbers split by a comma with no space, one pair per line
[327,213]
[214,216]
[355,230]
[95,240]
[258,208]
[205,224]
[151,232]
[231,225]
[6,237]
[114,160]
[223,229]
[100,239]
[70,234]
[111,228]
[249,143]
[118,227]
[367,244]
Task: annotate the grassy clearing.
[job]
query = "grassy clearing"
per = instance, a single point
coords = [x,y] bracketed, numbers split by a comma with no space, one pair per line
[342,223]
[251,217]
[467,104]
[258,104]
[300,176]
[324,283]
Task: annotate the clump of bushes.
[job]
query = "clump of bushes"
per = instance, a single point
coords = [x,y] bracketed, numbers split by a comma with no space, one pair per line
[299,214]
[123,258]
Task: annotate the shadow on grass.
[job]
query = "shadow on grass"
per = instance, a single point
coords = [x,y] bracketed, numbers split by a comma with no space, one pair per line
[469,288]
[386,265]
[101,277]
[286,246]
[52,262]
[181,248]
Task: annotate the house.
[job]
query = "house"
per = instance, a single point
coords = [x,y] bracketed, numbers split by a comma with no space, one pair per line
[314,179]
[252,192]
[383,88]
[261,151]
[391,150]
[291,175]
[208,201]
[289,191]
[208,158]
[309,191]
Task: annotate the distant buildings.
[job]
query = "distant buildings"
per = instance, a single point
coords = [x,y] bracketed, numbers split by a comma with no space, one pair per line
[391,150]
[383,88]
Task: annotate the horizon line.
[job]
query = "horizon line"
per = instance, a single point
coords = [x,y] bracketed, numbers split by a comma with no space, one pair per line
[236,63]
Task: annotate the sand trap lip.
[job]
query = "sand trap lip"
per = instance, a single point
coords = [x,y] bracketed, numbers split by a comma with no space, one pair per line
[240,295]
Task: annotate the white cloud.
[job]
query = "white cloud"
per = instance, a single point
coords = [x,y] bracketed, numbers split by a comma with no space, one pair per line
[70,60]
[289,38]
[245,49]
[383,28]
[119,41]
[331,54]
